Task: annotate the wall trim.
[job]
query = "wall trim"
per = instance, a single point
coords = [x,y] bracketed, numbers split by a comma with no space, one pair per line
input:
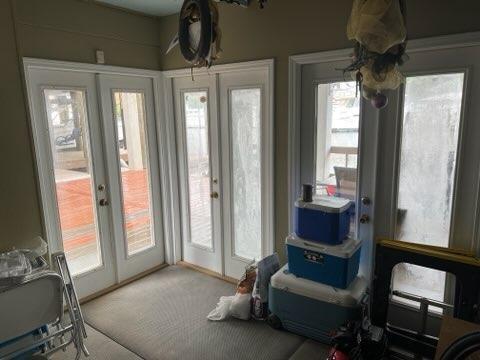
[221,68]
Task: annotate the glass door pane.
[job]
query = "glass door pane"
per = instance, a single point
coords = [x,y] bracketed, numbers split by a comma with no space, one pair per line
[338,114]
[246,176]
[198,168]
[70,147]
[428,155]
[129,117]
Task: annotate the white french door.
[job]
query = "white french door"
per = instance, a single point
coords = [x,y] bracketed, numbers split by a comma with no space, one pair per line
[225,162]
[96,144]
[417,160]
[429,180]
[199,170]
[133,169]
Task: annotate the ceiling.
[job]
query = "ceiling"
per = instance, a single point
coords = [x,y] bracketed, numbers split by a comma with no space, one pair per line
[151,7]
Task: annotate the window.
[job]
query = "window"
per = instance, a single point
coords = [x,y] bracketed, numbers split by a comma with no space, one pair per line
[338,112]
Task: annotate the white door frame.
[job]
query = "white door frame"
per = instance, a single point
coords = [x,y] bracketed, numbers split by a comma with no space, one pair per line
[174,247]
[294,103]
[163,140]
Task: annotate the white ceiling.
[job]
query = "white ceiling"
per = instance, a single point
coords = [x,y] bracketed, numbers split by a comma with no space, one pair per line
[151,7]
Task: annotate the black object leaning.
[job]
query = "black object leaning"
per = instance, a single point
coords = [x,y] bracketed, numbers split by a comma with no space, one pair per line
[463,347]
[195,56]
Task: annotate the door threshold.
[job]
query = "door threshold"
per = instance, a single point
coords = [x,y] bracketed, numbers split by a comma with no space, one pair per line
[121,284]
[208,272]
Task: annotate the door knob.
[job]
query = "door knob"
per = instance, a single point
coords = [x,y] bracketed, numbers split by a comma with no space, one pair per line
[214,195]
[364,219]
[103,202]
[366,201]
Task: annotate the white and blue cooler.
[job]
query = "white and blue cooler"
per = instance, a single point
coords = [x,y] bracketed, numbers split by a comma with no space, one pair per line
[312,309]
[326,219]
[335,265]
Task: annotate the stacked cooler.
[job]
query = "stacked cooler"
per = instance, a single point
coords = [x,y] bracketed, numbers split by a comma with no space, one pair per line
[319,290]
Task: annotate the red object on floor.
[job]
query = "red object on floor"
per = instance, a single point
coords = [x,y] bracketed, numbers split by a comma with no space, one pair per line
[336,354]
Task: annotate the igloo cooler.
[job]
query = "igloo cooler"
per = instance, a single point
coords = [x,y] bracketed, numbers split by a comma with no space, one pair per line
[312,309]
[326,219]
[334,265]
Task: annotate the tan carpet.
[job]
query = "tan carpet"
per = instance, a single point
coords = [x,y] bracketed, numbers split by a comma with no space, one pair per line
[163,316]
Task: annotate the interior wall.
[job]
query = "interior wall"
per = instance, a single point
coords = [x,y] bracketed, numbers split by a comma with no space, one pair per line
[286,28]
[69,30]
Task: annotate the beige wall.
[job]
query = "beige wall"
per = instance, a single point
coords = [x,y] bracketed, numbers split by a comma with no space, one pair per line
[285,28]
[63,30]
[72,30]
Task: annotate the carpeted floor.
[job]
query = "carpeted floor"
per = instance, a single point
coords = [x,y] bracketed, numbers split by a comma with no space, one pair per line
[163,316]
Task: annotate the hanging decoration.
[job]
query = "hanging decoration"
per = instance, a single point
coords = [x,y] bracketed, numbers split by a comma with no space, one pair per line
[198,34]
[378,28]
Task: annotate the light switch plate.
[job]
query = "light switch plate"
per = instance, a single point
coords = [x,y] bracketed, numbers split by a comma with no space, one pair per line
[100,56]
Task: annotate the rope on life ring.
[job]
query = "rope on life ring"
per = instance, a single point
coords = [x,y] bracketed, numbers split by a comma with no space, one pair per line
[205,13]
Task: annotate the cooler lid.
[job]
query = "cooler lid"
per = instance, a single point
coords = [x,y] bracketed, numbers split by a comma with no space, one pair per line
[344,250]
[329,204]
[350,297]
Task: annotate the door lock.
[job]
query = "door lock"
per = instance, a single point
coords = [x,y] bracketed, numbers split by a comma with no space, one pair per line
[214,195]
[104,202]
[364,219]
[101,187]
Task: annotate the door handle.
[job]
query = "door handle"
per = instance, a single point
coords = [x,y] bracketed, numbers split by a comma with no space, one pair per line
[104,202]
[214,195]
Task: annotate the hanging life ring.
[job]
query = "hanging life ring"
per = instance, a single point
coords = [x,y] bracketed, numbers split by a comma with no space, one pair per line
[195,11]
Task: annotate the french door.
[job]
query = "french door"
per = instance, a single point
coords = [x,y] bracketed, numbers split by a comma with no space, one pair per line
[412,168]
[95,141]
[225,166]
[429,179]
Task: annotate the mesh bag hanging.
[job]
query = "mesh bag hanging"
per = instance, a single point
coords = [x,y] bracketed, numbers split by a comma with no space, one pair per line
[377,24]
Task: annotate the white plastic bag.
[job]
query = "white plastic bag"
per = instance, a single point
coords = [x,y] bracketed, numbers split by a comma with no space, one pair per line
[222,311]
[240,306]
[237,306]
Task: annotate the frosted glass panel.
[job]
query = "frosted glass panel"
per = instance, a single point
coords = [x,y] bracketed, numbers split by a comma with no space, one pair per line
[70,146]
[246,172]
[135,177]
[198,164]
[431,120]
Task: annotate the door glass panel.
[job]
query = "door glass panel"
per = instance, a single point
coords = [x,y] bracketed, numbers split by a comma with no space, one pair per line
[132,147]
[198,165]
[338,113]
[70,146]
[431,121]
[246,157]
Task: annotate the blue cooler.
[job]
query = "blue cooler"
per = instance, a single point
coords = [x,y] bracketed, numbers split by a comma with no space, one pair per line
[332,265]
[326,219]
[312,309]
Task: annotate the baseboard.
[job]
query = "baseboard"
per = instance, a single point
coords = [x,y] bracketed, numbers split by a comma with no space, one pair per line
[120,284]
[208,272]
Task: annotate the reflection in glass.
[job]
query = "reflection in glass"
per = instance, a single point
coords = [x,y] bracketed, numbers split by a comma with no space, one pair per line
[246,157]
[431,121]
[70,146]
[198,164]
[135,178]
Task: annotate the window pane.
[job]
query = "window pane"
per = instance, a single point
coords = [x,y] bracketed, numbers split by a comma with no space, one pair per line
[198,163]
[338,112]
[69,138]
[246,172]
[432,112]
[133,157]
